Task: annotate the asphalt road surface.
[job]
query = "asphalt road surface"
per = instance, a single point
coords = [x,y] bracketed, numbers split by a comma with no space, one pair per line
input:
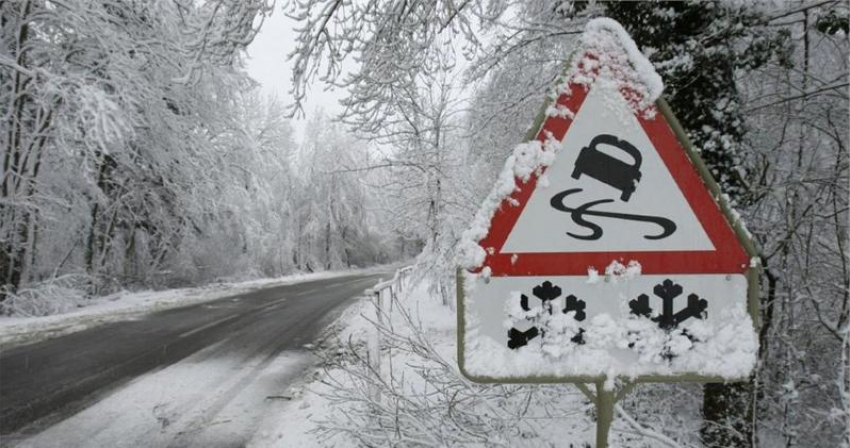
[192,376]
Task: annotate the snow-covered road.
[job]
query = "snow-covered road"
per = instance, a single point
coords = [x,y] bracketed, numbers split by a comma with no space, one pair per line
[202,375]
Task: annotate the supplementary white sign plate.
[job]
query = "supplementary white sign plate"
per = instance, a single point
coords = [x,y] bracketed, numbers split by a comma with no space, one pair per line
[568,326]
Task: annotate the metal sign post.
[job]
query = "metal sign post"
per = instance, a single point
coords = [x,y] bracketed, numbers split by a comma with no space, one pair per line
[604,401]
[604,414]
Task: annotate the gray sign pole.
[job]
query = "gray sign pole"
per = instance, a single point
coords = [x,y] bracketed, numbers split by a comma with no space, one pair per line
[604,401]
[604,414]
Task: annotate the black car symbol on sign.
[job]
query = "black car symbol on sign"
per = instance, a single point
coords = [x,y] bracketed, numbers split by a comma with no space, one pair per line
[608,169]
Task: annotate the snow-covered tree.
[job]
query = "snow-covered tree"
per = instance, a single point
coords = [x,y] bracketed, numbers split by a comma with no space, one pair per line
[135,151]
[698,56]
[107,108]
[332,210]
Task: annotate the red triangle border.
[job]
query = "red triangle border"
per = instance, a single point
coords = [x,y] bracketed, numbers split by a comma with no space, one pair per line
[728,257]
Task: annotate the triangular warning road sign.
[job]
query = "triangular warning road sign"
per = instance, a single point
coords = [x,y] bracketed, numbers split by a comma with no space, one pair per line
[608,183]
[621,187]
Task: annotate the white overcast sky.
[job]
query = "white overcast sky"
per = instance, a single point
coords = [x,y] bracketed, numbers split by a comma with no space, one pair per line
[268,65]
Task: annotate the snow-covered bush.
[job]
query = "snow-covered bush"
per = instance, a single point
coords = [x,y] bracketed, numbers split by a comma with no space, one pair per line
[52,296]
[418,398]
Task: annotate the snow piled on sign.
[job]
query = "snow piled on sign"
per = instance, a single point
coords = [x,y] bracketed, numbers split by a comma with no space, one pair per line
[528,158]
[617,270]
[607,55]
[621,347]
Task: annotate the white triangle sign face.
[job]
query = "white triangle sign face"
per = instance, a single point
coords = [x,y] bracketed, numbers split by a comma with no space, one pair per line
[580,206]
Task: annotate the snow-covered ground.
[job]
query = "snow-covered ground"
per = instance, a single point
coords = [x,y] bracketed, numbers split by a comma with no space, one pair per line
[219,397]
[295,422]
[323,413]
[130,305]
[214,398]
[335,406]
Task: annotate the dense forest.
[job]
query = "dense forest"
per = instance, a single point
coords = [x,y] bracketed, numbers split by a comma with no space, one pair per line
[137,152]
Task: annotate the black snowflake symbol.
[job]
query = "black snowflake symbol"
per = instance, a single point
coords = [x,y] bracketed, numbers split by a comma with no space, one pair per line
[668,319]
[668,292]
[547,293]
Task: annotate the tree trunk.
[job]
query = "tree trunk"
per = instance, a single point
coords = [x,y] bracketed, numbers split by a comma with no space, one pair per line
[88,257]
[129,254]
[728,414]
[13,250]
[328,246]
[16,251]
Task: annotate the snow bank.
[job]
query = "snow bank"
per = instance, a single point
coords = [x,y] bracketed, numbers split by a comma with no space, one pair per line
[316,402]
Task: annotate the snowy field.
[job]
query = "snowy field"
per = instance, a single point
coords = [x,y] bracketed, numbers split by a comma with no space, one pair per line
[127,305]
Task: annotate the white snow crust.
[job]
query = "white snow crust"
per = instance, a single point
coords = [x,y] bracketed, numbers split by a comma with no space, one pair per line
[605,46]
[617,270]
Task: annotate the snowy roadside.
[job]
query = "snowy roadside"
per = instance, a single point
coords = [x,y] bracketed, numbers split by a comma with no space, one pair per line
[306,403]
[422,400]
[332,405]
[132,305]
